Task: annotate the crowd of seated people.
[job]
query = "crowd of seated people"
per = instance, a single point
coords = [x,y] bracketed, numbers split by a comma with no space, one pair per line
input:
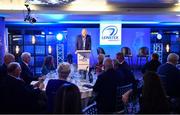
[160,89]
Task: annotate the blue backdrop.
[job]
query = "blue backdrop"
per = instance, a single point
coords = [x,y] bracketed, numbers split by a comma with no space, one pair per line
[134,38]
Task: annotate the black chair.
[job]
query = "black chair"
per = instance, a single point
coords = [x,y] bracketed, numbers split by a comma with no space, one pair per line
[119,92]
[127,53]
[90,110]
[143,53]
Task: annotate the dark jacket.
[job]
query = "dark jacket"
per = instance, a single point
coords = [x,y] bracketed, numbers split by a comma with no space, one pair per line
[3,71]
[172,80]
[151,66]
[15,98]
[26,74]
[51,90]
[105,90]
[79,43]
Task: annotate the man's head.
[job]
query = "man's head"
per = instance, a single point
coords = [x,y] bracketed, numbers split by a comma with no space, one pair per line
[108,64]
[64,70]
[84,32]
[8,58]
[155,56]
[26,57]
[120,57]
[14,69]
[173,58]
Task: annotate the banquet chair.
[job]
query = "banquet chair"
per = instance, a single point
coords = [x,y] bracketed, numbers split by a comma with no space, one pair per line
[120,108]
[127,53]
[143,53]
[68,99]
[90,110]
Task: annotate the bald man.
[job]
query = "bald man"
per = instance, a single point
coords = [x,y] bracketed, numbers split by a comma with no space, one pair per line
[83,41]
[8,58]
[105,88]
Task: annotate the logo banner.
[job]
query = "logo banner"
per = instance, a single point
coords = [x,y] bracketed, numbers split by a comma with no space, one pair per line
[110,34]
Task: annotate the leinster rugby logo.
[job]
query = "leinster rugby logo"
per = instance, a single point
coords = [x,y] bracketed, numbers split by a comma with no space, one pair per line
[110,33]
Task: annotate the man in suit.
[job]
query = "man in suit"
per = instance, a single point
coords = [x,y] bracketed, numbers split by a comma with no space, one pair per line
[172,75]
[14,97]
[8,58]
[83,41]
[26,73]
[153,64]
[105,88]
[122,62]
[171,80]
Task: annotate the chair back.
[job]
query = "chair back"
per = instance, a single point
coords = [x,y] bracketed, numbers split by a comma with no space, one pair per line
[144,51]
[126,51]
[163,80]
[119,92]
[90,110]
[68,99]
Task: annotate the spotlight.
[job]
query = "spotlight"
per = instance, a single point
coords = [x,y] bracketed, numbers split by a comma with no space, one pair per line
[159,36]
[28,17]
[59,36]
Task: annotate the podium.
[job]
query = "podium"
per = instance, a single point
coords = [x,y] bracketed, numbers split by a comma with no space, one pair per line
[83,59]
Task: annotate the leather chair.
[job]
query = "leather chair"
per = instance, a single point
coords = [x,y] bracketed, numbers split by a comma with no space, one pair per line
[143,53]
[127,53]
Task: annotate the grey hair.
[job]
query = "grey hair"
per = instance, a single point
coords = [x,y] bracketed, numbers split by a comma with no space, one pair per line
[64,70]
[173,58]
[108,63]
[25,55]
[12,67]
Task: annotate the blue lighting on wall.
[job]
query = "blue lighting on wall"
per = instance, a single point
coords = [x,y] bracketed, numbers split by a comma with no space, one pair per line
[59,36]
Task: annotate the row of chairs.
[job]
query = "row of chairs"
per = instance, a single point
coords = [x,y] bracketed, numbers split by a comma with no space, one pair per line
[143,53]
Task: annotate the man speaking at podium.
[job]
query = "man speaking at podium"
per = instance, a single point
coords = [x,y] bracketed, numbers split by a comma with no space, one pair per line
[83,41]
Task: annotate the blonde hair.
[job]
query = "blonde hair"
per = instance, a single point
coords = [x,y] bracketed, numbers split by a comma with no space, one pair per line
[64,70]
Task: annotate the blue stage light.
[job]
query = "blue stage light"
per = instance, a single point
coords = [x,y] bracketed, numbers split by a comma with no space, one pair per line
[159,36]
[59,36]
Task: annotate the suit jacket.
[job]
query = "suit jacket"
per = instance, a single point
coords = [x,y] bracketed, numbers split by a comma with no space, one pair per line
[79,43]
[151,66]
[172,81]
[14,97]
[105,90]
[3,71]
[51,90]
[26,74]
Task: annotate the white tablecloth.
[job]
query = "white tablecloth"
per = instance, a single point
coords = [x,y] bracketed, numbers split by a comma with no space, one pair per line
[85,92]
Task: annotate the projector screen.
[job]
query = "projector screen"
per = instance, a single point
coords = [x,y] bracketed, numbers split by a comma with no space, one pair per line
[110,34]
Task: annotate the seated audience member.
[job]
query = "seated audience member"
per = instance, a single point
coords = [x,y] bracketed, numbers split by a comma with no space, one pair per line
[153,64]
[154,100]
[70,58]
[99,65]
[68,100]
[122,62]
[172,74]
[8,58]
[26,73]
[53,85]
[171,78]
[15,96]
[126,75]
[105,88]
[48,65]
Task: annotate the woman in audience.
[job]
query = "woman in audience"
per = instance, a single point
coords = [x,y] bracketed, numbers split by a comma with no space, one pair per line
[48,65]
[68,100]
[153,97]
[99,65]
[54,84]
